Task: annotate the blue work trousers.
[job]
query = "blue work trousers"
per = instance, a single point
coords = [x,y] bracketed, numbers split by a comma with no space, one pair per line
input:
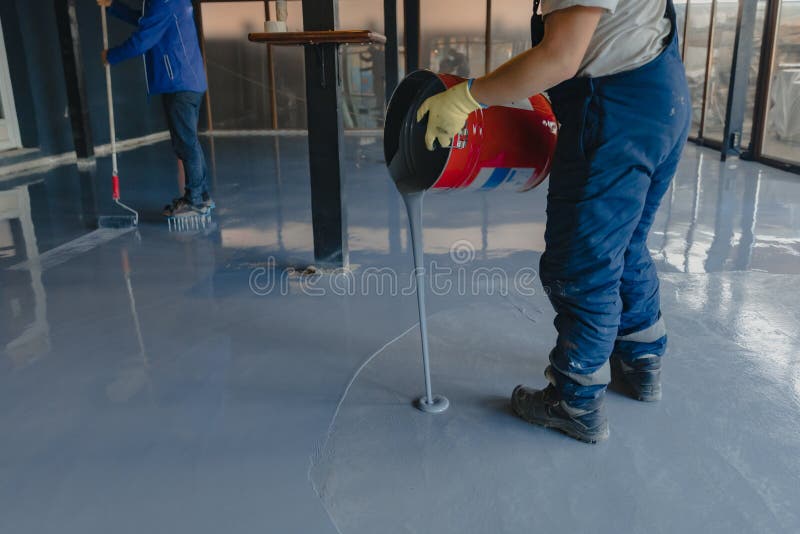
[182,110]
[620,141]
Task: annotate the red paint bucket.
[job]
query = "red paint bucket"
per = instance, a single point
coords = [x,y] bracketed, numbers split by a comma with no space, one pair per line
[508,147]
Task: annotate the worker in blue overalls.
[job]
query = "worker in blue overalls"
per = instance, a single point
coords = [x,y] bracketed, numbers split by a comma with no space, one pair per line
[614,74]
[167,37]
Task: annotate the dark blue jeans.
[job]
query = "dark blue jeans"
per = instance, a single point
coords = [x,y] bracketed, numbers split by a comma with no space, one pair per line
[619,144]
[182,110]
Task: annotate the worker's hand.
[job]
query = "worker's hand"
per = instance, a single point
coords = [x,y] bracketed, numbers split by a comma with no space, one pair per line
[448,113]
[104,3]
[104,57]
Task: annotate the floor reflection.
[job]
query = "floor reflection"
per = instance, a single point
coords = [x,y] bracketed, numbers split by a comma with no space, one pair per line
[734,216]
[136,373]
[716,216]
[27,299]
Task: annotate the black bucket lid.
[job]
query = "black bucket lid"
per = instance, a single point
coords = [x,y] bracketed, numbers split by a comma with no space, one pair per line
[412,166]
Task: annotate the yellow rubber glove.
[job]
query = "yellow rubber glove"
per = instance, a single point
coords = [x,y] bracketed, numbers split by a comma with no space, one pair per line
[448,113]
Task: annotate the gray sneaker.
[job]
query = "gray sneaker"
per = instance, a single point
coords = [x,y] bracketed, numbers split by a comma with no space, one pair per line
[543,407]
[208,202]
[182,208]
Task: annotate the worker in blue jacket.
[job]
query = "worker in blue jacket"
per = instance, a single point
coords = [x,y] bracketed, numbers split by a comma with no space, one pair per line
[167,38]
[613,72]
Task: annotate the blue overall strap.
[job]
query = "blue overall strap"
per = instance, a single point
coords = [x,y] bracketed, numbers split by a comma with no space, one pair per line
[673,18]
[537,25]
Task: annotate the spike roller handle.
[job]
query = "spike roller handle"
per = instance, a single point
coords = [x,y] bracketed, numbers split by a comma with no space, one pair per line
[109,94]
[115,187]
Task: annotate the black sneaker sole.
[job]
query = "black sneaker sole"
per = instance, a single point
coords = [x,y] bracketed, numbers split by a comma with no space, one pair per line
[591,436]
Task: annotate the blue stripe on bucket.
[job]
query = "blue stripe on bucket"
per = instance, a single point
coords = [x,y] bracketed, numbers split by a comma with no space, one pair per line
[496,178]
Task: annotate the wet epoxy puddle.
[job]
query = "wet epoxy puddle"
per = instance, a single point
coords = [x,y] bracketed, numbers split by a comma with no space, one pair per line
[477,468]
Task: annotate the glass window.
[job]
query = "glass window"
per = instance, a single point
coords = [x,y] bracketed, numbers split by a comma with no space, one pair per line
[782,130]
[239,77]
[238,73]
[511,29]
[698,26]
[363,67]
[720,72]
[752,82]
[237,69]
[452,37]
[290,73]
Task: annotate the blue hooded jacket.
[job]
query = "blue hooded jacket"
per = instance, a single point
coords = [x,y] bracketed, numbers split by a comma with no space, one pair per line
[167,37]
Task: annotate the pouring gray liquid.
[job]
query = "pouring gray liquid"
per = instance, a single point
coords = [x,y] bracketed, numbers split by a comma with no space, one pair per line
[413,202]
[414,169]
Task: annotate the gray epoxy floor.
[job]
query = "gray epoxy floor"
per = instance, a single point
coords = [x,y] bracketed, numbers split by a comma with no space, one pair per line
[186,396]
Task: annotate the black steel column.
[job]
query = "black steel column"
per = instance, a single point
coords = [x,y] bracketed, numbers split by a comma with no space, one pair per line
[411,19]
[764,78]
[740,73]
[325,137]
[67,22]
[390,50]
[487,56]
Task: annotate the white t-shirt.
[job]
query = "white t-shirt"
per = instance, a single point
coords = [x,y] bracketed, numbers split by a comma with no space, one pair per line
[630,33]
